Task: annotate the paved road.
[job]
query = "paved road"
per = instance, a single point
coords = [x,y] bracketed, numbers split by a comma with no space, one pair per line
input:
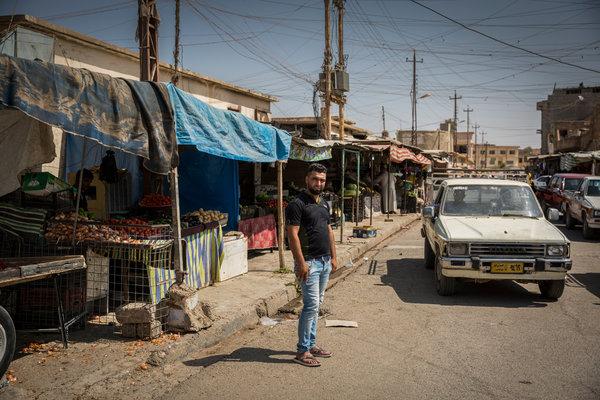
[491,341]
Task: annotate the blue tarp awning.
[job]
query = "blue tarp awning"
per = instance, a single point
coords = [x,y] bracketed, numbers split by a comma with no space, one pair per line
[128,115]
[225,133]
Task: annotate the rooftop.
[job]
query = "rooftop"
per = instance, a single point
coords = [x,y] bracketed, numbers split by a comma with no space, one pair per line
[41,25]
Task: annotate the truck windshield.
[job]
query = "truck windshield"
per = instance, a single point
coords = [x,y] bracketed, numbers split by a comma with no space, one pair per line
[593,189]
[490,200]
[572,183]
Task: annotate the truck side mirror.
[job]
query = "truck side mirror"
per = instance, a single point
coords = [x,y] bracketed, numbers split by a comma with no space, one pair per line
[553,215]
[429,212]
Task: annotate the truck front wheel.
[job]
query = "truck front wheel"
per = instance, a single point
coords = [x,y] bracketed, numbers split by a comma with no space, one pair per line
[444,285]
[552,289]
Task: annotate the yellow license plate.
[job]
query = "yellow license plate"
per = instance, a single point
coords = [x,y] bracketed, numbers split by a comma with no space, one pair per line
[507,268]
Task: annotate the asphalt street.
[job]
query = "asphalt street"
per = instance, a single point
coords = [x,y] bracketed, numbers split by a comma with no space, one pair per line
[498,340]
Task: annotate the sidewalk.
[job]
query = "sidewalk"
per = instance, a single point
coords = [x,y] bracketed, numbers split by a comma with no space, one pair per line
[91,366]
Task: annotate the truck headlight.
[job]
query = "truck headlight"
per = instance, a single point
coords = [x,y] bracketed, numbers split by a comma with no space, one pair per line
[596,213]
[557,250]
[458,249]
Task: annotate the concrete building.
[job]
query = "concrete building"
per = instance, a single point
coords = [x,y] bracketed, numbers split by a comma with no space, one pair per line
[527,152]
[33,38]
[428,140]
[570,120]
[497,157]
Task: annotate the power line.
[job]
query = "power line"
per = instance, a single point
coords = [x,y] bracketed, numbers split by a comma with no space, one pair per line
[505,43]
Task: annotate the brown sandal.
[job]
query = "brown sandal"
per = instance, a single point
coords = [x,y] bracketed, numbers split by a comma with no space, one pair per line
[319,352]
[307,360]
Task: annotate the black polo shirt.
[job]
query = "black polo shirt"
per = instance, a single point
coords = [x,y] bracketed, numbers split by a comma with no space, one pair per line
[313,220]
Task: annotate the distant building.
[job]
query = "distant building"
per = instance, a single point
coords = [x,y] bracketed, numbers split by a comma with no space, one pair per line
[497,157]
[527,152]
[444,139]
[570,120]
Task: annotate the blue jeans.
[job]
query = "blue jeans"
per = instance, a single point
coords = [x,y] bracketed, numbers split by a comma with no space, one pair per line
[313,290]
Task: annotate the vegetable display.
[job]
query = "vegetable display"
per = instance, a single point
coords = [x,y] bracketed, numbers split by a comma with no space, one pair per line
[201,216]
[137,227]
[155,200]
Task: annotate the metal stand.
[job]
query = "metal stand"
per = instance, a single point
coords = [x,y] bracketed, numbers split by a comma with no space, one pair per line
[389,200]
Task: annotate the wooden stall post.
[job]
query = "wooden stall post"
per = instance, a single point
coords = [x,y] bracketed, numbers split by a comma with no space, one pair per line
[280,220]
[176,216]
[81,164]
[389,200]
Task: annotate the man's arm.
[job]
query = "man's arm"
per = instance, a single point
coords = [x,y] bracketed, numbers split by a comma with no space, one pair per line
[334,264]
[296,248]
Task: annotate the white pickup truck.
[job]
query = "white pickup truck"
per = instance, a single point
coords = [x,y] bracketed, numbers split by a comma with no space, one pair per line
[493,229]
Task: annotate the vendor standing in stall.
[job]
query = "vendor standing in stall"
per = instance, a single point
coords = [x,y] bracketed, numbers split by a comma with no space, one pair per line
[313,247]
[387,182]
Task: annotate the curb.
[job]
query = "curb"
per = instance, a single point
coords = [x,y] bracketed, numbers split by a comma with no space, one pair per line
[268,306]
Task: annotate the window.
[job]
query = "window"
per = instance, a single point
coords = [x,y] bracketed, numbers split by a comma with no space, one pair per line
[510,162]
[502,151]
[492,161]
[520,161]
[554,181]
[492,152]
[482,152]
[511,152]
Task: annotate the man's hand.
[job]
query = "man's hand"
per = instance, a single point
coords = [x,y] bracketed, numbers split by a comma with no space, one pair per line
[334,265]
[303,272]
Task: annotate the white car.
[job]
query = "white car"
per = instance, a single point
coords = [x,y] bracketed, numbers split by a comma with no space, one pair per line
[584,207]
[493,229]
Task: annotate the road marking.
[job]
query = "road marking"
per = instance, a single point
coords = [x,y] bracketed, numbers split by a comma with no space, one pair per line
[400,247]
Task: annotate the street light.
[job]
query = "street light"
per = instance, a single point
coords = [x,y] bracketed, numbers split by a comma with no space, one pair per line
[425,96]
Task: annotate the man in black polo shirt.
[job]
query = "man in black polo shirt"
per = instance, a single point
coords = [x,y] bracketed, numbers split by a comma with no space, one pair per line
[313,246]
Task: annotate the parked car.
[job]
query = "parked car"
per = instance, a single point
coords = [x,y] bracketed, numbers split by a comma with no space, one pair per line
[492,229]
[559,190]
[584,207]
[541,182]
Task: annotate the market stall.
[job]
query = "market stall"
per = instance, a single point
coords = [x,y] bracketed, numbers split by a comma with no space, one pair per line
[216,141]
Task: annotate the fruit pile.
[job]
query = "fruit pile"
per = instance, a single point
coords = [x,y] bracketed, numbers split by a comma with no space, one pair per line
[273,204]
[137,227]
[201,216]
[63,232]
[155,200]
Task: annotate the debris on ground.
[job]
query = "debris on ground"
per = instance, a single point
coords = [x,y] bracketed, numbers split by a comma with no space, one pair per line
[335,323]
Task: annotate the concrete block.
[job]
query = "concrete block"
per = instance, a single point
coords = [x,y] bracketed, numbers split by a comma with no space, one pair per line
[136,313]
[149,330]
[128,330]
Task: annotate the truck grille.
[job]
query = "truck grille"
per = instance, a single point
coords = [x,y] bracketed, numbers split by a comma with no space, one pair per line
[508,249]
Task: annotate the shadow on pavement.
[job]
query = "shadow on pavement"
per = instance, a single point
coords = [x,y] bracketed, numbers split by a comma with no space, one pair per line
[245,354]
[415,284]
[590,281]
[576,235]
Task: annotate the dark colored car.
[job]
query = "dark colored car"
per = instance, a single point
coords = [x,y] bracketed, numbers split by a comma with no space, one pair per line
[558,191]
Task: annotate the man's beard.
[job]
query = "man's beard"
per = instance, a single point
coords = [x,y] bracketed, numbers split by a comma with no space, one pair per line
[315,192]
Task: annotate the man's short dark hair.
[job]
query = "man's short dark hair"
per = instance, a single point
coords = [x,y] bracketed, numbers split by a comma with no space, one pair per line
[316,167]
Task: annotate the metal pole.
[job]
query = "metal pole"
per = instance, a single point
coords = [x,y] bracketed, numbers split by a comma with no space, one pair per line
[342,196]
[372,178]
[280,221]
[341,64]
[357,187]
[389,171]
[79,189]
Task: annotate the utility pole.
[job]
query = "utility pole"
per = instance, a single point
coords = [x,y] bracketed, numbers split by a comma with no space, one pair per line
[468,111]
[455,98]
[413,133]
[341,64]
[384,133]
[475,156]
[486,148]
[327,58]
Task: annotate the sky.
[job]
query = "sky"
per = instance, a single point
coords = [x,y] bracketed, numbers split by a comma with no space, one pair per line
[276,47]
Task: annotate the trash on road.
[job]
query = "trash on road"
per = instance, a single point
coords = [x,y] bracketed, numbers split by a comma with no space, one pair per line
[266,321]
[334,323]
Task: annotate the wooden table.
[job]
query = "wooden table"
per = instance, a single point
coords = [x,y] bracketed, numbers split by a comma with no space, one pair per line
[28,269]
